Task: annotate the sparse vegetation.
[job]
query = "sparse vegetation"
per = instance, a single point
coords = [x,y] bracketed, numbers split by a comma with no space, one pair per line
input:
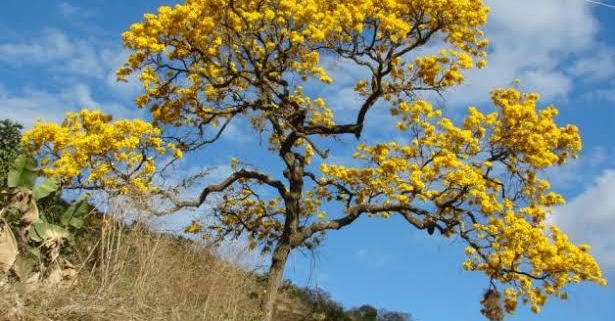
[133,273]
[136,274]
[320,306]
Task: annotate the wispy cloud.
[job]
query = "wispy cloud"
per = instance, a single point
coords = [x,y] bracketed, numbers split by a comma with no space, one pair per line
[82,65]
[55,52]
[574,173]
[123,90]
[50,46]
[597,67]
[549,45]
[66,9]
[239,131]
[552,46]
[69,10]
[603,95]
[28,105]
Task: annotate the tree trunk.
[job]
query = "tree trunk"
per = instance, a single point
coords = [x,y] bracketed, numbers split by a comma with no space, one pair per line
[276,271]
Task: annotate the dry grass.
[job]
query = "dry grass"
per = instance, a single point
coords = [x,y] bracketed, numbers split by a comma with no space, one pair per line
[136,274]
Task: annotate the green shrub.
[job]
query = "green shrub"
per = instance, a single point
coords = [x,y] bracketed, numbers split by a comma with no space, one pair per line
[10,135]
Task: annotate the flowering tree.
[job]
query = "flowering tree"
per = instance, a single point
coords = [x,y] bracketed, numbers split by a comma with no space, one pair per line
[204,63]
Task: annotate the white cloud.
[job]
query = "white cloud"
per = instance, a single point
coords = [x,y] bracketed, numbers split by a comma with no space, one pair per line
[345,99]
[343,71]
[84,61]
[69,10]
[550,45]
[51,45]
[66,9]
[77,61]
[218,174]
[590,218]
[239,131]
[549,83]
[575,172]
[601,4]
[598,67]
[32,104]
[115,59]
[571,20]
[605,94]
[57,53]
[54,51]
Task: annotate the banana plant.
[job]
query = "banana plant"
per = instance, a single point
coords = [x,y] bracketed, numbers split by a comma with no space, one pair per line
[43,234]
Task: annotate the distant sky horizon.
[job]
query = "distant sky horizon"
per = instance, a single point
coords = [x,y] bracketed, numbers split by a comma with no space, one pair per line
[57,56]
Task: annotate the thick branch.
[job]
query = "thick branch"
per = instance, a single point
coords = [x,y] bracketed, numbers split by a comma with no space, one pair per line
[354,212]
[240,175]
[337,129]
[177,204]
[243,174]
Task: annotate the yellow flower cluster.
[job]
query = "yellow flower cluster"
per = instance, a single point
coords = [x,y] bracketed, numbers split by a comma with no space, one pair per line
[533,134]
[216,50]
[115,155]
[444,70]
[321,114]
[514,243]
[194,227]
[466,169]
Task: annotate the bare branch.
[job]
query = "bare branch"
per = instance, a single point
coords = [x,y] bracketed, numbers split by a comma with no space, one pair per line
[243,174]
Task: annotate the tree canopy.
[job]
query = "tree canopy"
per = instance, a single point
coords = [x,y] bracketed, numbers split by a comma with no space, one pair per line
[206,63]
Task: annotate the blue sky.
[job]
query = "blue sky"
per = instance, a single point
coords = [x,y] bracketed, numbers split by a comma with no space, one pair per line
[57,56]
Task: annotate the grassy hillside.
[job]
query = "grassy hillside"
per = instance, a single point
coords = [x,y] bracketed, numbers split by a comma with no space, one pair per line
[134,274]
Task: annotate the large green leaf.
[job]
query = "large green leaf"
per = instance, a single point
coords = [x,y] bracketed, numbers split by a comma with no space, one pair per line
[36,251]
[45,188]
[74,214]
[49,232]
[33,236]
[23,172]
[77,222]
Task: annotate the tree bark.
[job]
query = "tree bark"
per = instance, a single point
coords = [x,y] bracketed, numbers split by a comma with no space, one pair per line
[292,200]
[276,271]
